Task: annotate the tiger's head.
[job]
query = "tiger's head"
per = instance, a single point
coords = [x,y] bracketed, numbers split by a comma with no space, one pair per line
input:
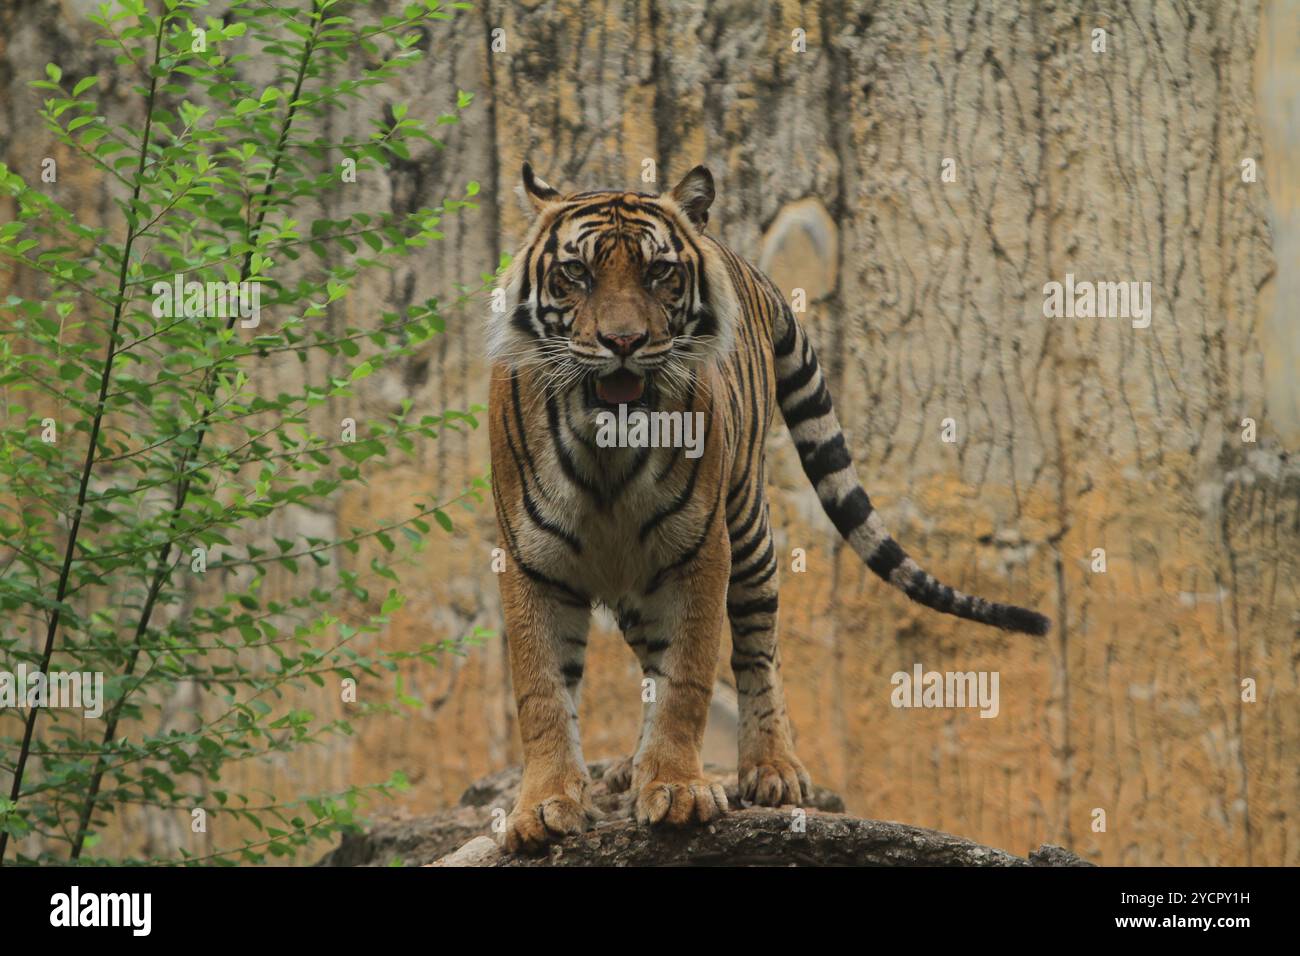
[619,294]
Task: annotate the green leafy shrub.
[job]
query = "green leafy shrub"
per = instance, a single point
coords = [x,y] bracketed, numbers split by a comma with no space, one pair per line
[146,449]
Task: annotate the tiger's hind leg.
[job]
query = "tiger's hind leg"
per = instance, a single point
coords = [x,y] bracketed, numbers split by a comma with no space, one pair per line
[674,789]
[769,772]
[638,633]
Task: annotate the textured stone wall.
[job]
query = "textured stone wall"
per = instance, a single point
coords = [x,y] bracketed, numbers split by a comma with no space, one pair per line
[925,304]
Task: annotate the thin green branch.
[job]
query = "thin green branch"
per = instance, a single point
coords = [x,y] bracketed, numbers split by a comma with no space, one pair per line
[164,567]
[52,631]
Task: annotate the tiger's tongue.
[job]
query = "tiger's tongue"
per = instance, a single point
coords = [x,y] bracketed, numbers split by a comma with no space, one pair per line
[619,388]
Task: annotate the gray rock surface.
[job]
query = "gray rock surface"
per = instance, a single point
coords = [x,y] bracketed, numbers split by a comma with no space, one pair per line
[820,835]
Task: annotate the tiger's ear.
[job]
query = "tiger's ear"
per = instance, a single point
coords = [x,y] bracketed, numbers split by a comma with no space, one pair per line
[695,194]
[540,193]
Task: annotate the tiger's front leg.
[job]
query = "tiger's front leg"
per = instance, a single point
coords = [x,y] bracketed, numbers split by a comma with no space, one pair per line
[667,772]
[547,639]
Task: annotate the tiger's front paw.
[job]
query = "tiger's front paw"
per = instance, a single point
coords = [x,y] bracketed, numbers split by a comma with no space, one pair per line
[533,826]
[776,782]
[680,803]
[618,776]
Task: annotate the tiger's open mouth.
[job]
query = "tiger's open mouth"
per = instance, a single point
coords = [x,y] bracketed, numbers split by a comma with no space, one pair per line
[620,388]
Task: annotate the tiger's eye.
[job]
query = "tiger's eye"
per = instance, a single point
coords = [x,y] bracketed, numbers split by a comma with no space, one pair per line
[659,270]
[574,270]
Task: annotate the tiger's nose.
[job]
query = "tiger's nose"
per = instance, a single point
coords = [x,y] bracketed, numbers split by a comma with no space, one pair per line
[623,343]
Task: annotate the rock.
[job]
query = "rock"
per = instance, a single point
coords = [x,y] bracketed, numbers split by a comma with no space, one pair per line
[818,835]
[1051,855]
[480,851]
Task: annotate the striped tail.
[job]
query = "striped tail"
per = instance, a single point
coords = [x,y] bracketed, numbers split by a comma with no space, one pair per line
[806,406]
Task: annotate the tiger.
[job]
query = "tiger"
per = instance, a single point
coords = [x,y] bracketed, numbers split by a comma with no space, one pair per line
[624,298]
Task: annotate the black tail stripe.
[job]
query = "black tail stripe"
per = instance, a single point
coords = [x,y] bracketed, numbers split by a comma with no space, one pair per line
[820,459]
[849,513]
[886,557]
[814,406]
[787,386]
[785,345]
